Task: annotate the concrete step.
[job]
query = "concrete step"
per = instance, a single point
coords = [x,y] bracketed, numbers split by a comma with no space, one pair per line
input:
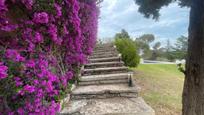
[104,79]
[109,59]
[102,82]
[98,46]
[103,56]
[103,65]
[114,76]
[104,53]
[108,70]
[104,91]
[102,48]
[105,49]
[110,106]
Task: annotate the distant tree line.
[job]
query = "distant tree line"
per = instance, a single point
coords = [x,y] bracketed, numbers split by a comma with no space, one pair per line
[149,48]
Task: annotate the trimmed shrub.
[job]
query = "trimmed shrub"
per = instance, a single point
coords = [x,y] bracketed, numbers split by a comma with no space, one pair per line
[128,50]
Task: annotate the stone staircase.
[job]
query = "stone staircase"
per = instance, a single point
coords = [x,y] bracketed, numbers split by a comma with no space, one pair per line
[106,87]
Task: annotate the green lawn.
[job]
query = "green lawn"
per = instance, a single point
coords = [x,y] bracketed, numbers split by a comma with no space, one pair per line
[161,87]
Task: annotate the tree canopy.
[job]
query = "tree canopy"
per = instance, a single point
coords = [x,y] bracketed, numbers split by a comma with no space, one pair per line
[147,38]
[123,34]
[151,8]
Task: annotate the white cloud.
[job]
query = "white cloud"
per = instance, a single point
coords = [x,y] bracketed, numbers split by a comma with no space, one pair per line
[119,14]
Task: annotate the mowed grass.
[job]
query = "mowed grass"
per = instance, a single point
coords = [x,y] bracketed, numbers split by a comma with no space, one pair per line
[162,86]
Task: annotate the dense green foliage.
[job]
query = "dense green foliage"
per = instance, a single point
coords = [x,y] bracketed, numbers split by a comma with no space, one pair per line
[151,8]
[181,47]
[144,43]
[178,50]
[155,51]
[128,49]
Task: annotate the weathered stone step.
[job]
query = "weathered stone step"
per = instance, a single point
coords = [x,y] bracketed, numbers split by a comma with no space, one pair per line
[105,50]
[102,48]
[102,82]
[103,56]
[98,46]
[103,64]
[114,76]
[108,70]
[104,53]
[109,59]
[104,79]
[110,106]
[104,91]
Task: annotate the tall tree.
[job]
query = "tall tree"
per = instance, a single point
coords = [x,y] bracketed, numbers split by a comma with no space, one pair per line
[156,51]
[168,46]
[182,44]
[143,45]
[157,45]
[181,47]
[193,93]
[169,53]
[122,34]
[147,38]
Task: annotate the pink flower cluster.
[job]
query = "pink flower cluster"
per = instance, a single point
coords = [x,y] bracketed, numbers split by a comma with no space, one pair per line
[42,46]
[41,18]
[3,71]
[88,24]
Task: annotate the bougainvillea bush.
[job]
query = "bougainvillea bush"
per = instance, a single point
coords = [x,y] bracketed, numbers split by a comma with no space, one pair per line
[43,43]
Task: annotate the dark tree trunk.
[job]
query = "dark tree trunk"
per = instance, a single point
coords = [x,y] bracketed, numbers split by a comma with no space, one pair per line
[193,94]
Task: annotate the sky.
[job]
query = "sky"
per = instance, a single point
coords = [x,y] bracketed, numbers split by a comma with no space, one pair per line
[123,14]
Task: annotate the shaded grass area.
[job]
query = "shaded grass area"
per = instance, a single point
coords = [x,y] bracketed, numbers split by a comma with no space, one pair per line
[162,86]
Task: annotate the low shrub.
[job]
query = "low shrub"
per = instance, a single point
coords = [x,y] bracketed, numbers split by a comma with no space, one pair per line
[128,50]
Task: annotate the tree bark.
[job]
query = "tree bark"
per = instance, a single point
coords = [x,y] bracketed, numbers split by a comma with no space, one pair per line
[193,93]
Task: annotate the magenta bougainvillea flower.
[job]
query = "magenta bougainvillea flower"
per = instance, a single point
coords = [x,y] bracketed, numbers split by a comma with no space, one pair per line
[29,88]
[58,10]
[38,38]
[14,55]
[3,71]
[28,3]
[42,48]
[2,5]
[41,18]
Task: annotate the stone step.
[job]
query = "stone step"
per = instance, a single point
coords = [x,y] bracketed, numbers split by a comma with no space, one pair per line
[114,76]
[104,53]
[104,91]
[98,46]
[104,79]
[103,56]
[105,50]
[102,48]
[108,70]
[103,64]
[110,106]
[109,59]
[102,82]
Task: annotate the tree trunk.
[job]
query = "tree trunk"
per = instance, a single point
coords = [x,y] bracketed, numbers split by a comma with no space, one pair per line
[193,93]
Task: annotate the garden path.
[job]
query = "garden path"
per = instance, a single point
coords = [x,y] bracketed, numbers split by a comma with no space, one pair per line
[106,87]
